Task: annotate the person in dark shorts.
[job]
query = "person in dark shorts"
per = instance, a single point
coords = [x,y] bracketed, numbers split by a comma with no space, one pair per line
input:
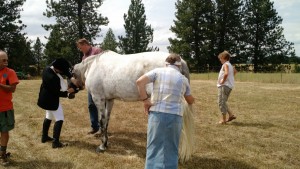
[8,84]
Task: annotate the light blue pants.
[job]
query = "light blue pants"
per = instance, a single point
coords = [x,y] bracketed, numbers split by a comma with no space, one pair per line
[163,137]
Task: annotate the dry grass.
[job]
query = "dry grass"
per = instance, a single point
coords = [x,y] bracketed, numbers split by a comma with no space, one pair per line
[287,78]
[265,134]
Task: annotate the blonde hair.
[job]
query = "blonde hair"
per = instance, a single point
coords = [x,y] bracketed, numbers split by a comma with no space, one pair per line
[224,55]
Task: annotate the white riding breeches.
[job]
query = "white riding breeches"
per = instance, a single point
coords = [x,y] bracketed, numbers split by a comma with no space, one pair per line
[56,115]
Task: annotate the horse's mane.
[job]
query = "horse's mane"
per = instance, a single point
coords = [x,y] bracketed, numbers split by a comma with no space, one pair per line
[93,57]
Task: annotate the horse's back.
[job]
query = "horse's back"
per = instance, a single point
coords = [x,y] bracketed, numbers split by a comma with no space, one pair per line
[115,75]
[154,58]
[130,66]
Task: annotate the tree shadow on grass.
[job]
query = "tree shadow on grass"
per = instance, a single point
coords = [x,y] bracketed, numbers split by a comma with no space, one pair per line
[210,163]
[262,125]
[39,164]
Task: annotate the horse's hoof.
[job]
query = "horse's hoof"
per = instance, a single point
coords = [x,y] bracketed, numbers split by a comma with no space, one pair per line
[99,134]
[100,149]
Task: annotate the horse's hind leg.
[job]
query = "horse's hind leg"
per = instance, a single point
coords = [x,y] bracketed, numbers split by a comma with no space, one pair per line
[104,121]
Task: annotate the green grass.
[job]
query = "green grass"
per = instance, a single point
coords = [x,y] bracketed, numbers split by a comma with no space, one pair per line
[265,134]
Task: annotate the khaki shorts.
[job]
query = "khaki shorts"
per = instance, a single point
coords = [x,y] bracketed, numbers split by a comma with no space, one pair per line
[7,120]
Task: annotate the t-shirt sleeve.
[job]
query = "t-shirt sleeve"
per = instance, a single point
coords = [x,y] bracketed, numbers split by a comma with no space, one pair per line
[151,75]
[97,51]
[12,77]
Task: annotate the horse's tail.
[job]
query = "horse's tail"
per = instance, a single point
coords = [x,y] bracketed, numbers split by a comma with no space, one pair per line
[186,147]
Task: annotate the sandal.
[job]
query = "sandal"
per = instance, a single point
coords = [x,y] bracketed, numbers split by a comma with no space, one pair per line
[221,122]
[231,118]
[4,159]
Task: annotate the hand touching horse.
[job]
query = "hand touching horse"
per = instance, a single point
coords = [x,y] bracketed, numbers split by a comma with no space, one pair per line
[110,76]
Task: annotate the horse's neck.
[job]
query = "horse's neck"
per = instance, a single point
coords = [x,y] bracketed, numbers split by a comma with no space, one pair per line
[86,64]
[89,59]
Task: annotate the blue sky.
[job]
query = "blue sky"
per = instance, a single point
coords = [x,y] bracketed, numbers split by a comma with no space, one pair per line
[160,15]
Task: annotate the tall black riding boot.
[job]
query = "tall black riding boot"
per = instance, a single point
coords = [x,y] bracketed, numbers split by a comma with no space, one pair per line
[46,126]
[56,134]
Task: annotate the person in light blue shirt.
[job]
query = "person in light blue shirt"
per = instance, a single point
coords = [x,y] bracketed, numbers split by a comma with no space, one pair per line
[164,112]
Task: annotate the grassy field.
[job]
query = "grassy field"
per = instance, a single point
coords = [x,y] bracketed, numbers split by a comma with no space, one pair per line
[265,134]
[288,78]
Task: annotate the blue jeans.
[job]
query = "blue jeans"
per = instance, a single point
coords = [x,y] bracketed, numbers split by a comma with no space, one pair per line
[163,137]
[93,113]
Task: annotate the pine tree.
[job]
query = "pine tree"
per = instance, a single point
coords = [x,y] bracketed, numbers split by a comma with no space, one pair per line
[195,32]
[109,41]
[138,33]
[10,25]
[12,40]
[58,47]
[75,19]
[20,54]
[229,24]
[38,54]
[263,34]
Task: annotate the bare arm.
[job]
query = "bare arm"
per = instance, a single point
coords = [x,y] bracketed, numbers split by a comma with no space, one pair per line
[234,71]
[189,99]
[225,74]
[9,88]
[141,85]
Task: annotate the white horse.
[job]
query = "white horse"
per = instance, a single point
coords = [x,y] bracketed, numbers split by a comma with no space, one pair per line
[108,76]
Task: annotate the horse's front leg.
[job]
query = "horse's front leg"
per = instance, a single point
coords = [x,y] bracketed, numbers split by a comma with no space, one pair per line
[104,121]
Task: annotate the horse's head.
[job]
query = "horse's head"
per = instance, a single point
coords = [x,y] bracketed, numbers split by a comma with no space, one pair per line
[185,69]
[81,69]
[78,77]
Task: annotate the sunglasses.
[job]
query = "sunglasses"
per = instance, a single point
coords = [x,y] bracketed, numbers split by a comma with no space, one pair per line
[4,60]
